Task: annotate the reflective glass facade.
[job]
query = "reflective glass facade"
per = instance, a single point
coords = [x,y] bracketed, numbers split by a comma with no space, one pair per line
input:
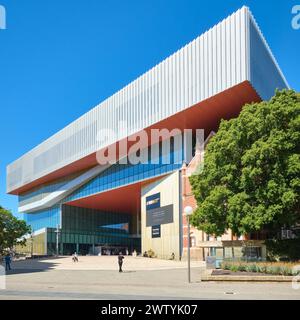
[122,174]
[45,218]
[83,229]
[44,190]
[91,220]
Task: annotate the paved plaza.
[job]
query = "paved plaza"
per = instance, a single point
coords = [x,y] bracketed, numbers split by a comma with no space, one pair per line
[143,278]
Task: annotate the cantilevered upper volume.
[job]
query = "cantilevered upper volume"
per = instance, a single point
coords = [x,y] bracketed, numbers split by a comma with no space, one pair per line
[208,79]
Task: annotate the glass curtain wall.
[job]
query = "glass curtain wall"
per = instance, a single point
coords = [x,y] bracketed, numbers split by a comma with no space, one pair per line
[84,229]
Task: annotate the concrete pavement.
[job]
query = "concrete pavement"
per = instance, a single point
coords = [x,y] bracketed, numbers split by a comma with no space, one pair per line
[143,278]
[102,263]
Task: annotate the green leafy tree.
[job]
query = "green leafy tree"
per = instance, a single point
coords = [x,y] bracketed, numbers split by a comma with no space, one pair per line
[12,230]
[250,179]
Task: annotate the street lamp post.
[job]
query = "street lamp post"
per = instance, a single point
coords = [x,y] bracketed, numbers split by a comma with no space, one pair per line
[31,243]
[57,239]
[188,212]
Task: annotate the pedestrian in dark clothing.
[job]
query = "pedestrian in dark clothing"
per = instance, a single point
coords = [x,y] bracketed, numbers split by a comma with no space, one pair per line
[7,262]
[120,261]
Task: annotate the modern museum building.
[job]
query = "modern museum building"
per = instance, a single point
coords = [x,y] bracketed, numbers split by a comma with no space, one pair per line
[116,179]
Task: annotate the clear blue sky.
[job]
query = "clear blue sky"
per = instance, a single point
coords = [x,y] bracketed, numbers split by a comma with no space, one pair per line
[60,58]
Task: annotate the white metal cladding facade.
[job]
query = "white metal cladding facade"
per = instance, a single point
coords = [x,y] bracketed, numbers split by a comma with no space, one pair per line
[212,63]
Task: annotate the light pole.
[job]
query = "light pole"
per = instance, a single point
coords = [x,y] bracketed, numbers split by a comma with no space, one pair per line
[57,239]
[31,242]
[188,212]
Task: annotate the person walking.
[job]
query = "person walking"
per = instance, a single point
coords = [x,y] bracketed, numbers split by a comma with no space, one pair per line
[7,262]
[120,261]
[75,257]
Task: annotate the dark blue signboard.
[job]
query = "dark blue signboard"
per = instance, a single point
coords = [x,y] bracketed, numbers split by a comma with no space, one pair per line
[156,231]
[153,201]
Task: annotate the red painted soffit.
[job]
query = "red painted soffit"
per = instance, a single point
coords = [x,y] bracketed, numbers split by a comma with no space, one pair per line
[125,199]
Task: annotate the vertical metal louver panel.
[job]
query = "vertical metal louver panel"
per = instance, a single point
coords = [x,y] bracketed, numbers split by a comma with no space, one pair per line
[264,73]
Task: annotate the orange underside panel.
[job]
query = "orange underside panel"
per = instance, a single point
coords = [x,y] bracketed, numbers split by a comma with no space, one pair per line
[204,115]
[123,200]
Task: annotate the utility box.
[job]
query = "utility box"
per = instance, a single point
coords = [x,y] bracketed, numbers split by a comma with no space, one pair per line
[210,262]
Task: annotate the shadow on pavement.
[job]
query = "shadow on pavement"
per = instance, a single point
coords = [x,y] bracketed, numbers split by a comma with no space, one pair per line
[32,266]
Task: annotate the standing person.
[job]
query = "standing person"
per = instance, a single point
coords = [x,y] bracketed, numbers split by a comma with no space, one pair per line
[7,262]
[120,261]
[75,257]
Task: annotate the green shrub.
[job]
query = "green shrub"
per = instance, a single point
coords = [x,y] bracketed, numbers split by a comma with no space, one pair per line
[242,267]
[286,271]
[274,268]
[258,268]
[234,267]
[250,267]
[225,265]
[262,268]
